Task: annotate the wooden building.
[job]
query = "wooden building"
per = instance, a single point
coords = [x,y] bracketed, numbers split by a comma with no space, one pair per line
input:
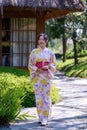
[22,20]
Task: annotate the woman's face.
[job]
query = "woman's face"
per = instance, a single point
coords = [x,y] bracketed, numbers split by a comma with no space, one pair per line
[41,42]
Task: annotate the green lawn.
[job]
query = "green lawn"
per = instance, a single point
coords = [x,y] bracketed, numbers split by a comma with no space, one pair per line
[70,69]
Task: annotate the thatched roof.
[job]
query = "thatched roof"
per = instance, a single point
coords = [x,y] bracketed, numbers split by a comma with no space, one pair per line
[58,4]
[61,7]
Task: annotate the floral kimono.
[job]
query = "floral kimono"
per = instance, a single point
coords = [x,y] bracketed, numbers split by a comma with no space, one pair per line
[41,79]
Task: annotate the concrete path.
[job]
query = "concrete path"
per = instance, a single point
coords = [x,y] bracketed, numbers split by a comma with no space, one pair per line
[69,114]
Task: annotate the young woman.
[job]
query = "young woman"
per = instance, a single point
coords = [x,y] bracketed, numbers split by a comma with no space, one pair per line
[42,66]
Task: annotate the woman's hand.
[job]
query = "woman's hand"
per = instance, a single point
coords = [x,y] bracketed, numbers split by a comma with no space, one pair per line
[46,67]
[39,71]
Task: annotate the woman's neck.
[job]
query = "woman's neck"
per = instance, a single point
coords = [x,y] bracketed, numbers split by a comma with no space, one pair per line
[42,48]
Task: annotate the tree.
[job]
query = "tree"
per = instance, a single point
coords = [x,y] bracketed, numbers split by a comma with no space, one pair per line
[56,29]
[73,23]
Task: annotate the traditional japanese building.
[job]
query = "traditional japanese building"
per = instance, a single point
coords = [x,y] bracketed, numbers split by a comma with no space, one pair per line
[22,20]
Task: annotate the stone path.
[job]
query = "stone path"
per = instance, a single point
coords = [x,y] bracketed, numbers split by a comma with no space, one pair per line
[69,114]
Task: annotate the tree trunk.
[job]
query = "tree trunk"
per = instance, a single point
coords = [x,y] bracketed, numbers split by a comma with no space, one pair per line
[75,52]
[64,47]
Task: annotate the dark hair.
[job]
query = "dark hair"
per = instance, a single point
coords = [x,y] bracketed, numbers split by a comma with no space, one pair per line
[45,36]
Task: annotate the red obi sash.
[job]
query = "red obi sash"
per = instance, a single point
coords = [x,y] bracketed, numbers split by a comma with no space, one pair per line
[40,64]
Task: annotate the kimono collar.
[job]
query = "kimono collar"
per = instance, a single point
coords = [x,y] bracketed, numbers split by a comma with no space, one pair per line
[42,49]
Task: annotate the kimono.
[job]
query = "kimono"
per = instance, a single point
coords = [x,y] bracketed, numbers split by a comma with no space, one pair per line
[42,79]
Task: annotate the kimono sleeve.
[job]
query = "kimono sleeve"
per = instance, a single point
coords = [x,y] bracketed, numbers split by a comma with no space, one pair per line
[31,66]
[52,66]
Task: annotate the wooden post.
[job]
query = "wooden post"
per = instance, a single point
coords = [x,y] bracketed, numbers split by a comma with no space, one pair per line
[40,22]
[0,40]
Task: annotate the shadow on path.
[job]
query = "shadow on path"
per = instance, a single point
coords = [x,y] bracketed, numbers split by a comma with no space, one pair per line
[56,124]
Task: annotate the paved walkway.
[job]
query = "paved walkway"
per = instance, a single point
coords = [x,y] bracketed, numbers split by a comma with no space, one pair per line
[69,114]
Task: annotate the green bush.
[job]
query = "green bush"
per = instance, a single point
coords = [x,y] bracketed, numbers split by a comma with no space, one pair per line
[55,94]
[10,102]
[70,55]
[29,98]
[16,91]
[82,53]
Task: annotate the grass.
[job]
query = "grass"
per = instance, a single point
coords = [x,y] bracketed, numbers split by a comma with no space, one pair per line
[14,71]
[70,69]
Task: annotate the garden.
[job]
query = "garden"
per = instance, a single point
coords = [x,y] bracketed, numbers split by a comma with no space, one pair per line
[16,90]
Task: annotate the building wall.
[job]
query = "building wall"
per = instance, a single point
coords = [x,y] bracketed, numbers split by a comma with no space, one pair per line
[18,39]
[19,29]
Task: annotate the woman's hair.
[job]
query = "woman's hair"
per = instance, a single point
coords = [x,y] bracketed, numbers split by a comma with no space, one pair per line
[45,36]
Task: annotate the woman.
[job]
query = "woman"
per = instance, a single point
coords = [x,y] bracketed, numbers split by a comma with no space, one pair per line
[42,66]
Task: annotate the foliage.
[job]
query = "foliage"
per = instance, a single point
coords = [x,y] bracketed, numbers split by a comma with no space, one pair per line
[16,91]
[29,99]
[75,27]
[55,45]
[70,55]
[55,94]
[10,102]
[62,65]
[70,69]
[82,44]
[54,27]
[81,53]
[15,72]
